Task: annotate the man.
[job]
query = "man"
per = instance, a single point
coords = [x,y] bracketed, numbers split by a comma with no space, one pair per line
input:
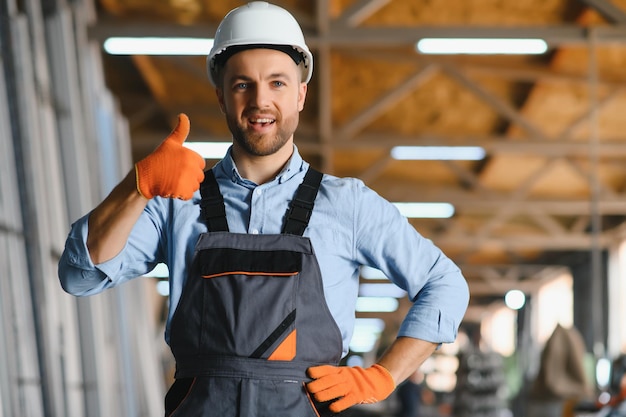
[264,260]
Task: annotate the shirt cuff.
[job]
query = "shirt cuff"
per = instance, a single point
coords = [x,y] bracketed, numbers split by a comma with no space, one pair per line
[77,255]
[428,324]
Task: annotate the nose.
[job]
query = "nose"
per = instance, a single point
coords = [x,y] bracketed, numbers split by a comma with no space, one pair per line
[260,96]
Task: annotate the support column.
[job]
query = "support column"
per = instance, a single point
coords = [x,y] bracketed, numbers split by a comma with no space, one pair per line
[590,318]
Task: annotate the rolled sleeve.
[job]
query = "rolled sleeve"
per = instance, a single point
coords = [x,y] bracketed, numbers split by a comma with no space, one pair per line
[430,324]
[78,275]
[438,310]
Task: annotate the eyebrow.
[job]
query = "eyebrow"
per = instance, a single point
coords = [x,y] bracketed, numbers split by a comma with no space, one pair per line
[242,77]
[280,75]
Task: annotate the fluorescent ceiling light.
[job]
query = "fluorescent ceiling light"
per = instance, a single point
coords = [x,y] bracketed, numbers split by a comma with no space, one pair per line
[603,372]
[158,46]
[363,342]
[159,271]
[355,360]
[366,334]
[385,289]
[426,210]
[163,288]
[481,46]
[438,153]
[515,299]
[376,304]
[209,150]
[368,272]
[371,324]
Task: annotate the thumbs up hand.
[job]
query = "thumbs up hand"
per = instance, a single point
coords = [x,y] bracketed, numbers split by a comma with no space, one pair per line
[171,170]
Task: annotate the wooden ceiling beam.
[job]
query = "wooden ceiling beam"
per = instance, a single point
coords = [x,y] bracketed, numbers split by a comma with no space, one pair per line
[567,208]
[375,169]
[359,11]
[467,177]
[607,9]
[545,242]
[492,277]
[322,11]
[109,27]
[368,115]
[517,72]
[323,70]
[535,74]
[499,105]
[609,147]
[470,203]
[511,208]
[586,118]
[547,222]
[516,271]
[587,176]
[152,76]
[556,35]
[478,288]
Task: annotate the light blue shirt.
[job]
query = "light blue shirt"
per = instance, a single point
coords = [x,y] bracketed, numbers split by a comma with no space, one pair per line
[350,226]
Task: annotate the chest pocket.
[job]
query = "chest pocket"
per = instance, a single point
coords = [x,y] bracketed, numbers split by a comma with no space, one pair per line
[254,296]
[231,261]
[237,285]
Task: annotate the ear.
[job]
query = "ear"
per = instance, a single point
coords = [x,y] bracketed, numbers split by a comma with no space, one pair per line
[220,99]
[302,95]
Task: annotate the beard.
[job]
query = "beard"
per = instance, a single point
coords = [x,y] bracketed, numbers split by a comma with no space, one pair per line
[262,144]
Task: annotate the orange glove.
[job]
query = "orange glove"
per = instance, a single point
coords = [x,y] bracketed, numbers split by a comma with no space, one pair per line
[171,170]
[350,385]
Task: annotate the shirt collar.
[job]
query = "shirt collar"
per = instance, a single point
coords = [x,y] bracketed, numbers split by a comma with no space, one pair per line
[294,166]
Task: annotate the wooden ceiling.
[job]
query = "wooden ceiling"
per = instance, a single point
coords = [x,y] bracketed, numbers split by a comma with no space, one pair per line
[554,126]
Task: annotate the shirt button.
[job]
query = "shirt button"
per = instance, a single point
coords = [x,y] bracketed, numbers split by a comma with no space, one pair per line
[255,231]
[258,191]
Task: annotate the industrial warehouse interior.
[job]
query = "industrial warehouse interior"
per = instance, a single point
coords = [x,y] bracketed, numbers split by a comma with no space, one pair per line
[535,216]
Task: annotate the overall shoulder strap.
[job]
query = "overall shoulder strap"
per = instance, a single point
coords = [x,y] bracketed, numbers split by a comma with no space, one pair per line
[212,207]
[301,206]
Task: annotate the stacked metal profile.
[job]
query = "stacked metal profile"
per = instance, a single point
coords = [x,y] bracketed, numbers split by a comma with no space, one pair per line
[481,386]
[63,143]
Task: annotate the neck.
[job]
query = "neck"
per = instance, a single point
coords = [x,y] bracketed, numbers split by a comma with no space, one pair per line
[261,169]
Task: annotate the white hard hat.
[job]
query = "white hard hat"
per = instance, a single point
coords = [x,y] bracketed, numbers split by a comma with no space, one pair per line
[263,24]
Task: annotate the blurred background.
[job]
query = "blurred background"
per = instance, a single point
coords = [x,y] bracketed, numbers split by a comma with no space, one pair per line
[512,160]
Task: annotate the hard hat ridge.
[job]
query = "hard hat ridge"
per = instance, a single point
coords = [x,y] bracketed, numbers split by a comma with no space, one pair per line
[259,24]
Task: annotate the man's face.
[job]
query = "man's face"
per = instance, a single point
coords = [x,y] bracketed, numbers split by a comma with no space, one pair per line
[261,96]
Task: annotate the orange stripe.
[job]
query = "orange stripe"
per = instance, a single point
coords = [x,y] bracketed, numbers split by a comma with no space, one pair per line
[310,400]
[184,399]
[286,351]
[269,274]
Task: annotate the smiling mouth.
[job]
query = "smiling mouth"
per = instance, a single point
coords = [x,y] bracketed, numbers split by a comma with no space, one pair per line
[262,121]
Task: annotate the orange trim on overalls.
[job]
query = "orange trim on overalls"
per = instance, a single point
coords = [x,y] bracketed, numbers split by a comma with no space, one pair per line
[286,351]
[308,396]
[267,274]
[186,396]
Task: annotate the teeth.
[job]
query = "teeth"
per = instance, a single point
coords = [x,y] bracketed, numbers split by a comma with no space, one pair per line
[262,120]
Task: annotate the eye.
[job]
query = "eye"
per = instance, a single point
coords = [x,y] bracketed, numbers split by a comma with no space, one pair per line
[240,86]
[278,84]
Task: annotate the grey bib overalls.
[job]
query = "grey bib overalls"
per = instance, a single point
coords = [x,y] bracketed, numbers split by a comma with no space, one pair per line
[251,319]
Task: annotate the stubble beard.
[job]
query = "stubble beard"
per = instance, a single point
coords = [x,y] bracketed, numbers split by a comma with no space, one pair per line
[262,144]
